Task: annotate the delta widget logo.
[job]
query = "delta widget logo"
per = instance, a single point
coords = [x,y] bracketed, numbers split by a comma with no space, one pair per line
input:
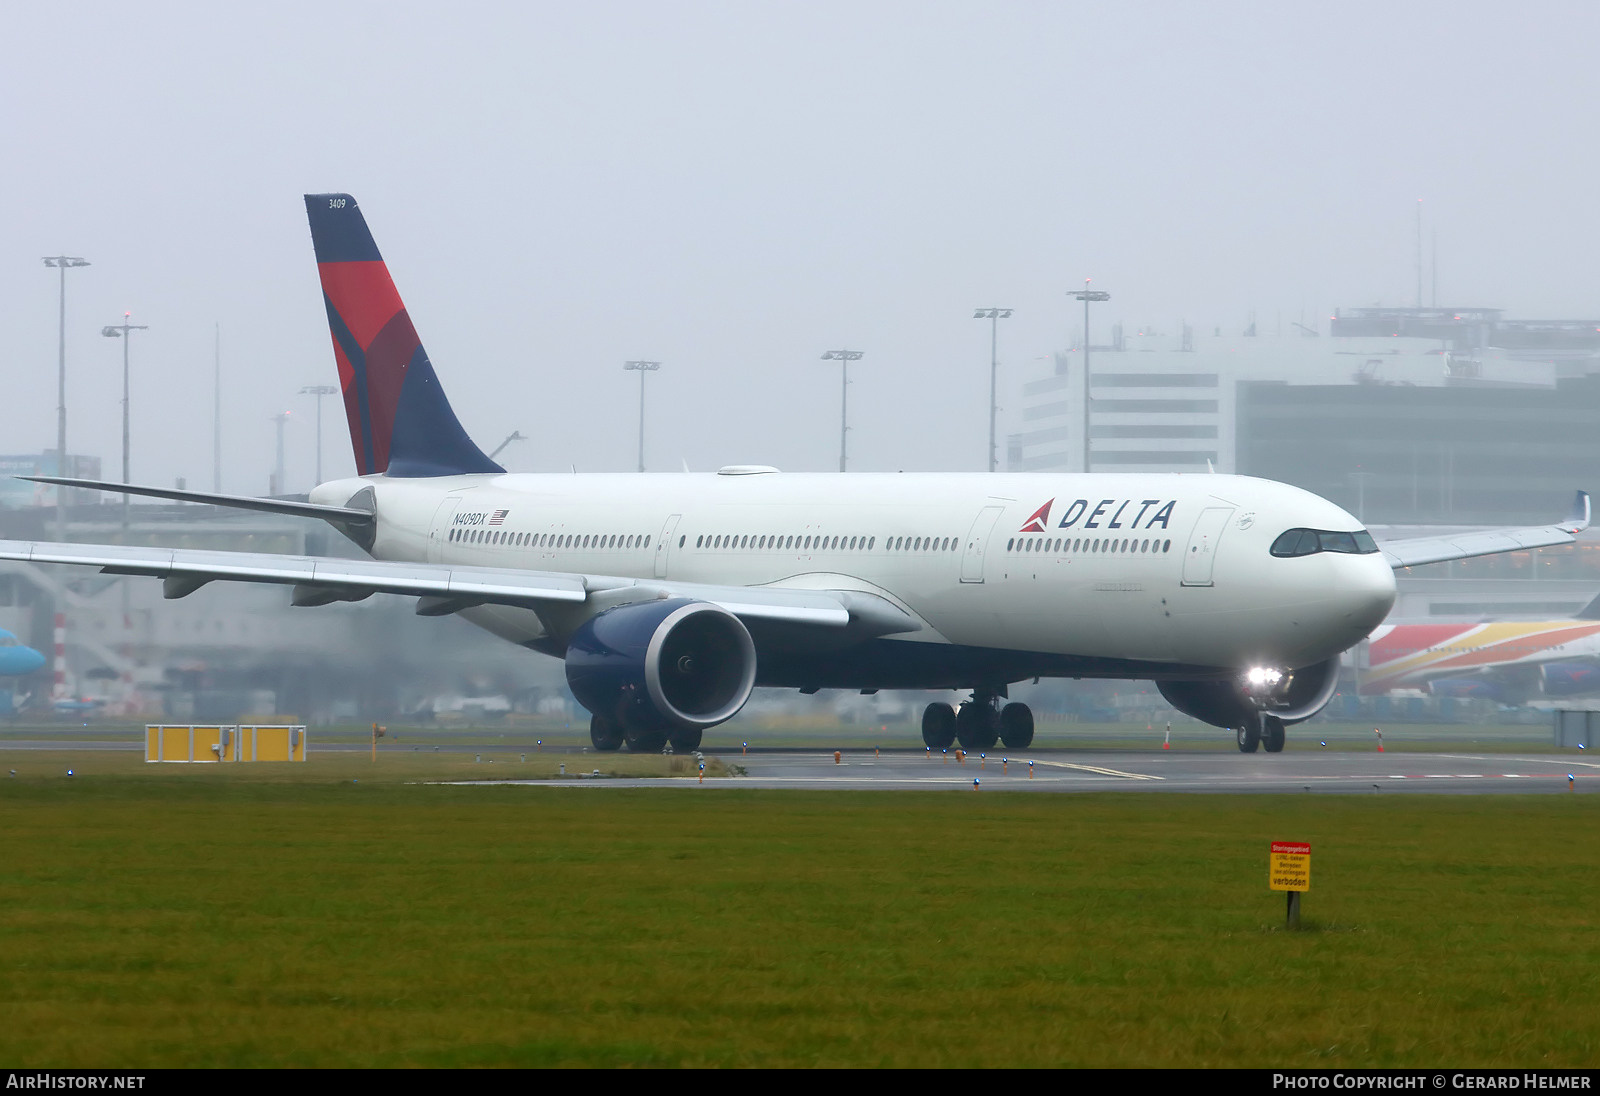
[1040,519]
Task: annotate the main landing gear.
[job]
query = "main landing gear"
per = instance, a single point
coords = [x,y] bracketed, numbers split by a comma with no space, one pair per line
[978,724]
[608,734]
[1260,730]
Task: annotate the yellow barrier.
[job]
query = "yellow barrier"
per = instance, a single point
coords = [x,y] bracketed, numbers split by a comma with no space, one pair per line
[198,744]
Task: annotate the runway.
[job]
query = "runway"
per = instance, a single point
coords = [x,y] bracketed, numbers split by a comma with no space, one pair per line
[1141,771]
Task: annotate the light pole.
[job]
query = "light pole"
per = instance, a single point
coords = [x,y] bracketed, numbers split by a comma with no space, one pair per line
[641,368]
[516,435]
[216,413]
[62,263]
[124,331]
[844,358]
[1086,295]
[318,390]
[994,316]
[278,475]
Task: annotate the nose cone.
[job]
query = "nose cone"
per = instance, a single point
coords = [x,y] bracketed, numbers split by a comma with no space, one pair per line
[1366,593]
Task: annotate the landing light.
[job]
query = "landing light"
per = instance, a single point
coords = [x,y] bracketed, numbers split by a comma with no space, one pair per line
[1258,676]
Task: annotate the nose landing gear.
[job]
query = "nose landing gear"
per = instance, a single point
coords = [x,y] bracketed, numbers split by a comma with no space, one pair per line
[1248,733]
[1260,730]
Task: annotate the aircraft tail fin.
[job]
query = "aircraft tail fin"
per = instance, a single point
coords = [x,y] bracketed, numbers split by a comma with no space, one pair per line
[1590,611]
[400,421]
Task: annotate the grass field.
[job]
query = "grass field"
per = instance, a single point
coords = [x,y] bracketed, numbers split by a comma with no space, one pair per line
[283,915]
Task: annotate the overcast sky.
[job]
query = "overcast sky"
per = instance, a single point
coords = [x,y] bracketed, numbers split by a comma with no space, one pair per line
[734,188]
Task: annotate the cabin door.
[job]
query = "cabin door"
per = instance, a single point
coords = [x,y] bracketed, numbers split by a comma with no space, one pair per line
[978,543]
[1202,550]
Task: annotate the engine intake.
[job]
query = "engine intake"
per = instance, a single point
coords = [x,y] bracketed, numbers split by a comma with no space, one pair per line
[663,665]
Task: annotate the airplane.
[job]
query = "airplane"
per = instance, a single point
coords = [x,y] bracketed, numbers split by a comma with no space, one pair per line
[671,596]
[17,659]
[1509,662]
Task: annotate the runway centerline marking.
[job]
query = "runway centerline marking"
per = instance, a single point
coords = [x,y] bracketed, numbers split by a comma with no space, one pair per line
[1098,770]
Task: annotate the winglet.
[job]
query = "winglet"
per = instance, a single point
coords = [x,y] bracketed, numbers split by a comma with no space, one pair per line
[1577,519]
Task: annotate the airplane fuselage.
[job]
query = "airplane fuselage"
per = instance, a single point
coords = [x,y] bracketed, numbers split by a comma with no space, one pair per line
[1010,575]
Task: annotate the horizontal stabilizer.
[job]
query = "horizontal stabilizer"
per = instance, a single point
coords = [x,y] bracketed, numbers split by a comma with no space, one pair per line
[347,515]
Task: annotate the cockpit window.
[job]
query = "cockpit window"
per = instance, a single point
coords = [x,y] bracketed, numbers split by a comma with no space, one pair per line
[1306,542]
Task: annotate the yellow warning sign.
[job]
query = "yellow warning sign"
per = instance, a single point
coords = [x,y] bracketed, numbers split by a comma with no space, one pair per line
[1289,868]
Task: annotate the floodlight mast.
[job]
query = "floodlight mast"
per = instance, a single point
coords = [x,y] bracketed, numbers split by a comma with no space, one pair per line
[642,367]
[319,390]
[62,263]
[124,331]
[994,316]
[516,435]
[844,358]
[281,419]
[1086,295]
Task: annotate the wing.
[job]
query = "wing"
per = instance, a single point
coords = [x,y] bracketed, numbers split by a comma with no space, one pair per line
[443,589]
[1487,542]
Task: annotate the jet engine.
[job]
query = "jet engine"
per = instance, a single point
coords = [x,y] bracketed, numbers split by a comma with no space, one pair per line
[1570,677]
[658,671]
[1466,688]
[1292,698]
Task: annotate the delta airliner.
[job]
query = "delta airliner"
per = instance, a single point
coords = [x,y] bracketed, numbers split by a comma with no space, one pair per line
[670,597]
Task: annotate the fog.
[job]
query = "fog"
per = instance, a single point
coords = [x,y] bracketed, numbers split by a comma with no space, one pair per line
[733,189]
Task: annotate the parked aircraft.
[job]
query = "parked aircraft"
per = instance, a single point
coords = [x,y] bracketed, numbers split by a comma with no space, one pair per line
[671,596]
[17,659]
[1511,662]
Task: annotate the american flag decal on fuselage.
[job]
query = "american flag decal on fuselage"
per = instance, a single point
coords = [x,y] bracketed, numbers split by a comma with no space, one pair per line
[498,517]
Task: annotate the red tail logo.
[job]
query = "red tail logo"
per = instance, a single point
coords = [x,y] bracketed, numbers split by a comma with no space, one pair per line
[1040,518]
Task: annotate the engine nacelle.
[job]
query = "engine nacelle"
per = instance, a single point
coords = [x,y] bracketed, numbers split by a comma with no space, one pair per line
[1466,688]
[662,665]
[1570,677]
[1230,704]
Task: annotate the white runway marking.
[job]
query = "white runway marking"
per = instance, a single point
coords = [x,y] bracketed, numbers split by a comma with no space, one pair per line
[1100,771]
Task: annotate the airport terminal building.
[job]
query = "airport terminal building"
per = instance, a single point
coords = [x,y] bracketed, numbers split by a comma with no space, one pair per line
[1406,417]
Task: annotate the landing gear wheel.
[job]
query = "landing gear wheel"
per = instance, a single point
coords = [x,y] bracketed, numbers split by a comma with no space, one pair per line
[977,725]
[1272,733]
[938,725]
[644,739]
[605,734]
[1249,734]
[685,740]
[1016,726]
